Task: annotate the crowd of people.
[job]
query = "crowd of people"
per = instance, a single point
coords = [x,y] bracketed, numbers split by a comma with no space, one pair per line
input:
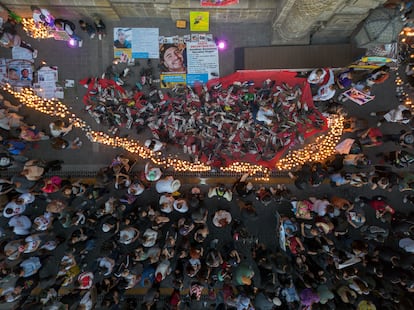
[86,244]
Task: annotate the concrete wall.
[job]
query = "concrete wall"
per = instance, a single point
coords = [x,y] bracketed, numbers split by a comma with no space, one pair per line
[332,25]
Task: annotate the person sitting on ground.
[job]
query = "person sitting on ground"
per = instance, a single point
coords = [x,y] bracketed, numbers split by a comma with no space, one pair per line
[42,16]
[31,134]
[154,145]
[69,28]
[11,40]
[370,137]
[400,114]
[325,93]
[317,76]
[344,79]
[383,209]
[378,76]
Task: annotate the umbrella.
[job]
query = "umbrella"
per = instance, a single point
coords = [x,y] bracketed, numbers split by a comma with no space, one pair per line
[382,26]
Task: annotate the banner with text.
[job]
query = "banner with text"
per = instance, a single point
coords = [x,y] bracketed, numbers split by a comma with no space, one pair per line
[188,59]
[134,43]
[202,58]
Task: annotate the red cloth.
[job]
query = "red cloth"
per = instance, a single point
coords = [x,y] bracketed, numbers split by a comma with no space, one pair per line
[258,77]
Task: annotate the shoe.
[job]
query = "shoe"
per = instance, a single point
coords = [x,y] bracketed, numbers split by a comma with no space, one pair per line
[99,36]
[80,43]
[34,54]
[92,36]
[379,124]
[373,114]
[405,199]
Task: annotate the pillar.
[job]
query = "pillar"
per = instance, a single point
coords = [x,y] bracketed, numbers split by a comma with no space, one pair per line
[294,26]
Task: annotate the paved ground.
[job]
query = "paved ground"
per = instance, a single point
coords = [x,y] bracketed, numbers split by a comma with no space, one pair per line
[93,58]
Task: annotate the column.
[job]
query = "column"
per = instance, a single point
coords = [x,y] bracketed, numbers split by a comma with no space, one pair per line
[295,25]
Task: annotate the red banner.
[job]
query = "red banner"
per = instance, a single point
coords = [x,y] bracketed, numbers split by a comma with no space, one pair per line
[218,2]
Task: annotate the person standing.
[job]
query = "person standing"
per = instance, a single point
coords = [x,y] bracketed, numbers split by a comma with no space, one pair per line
[69,28]
[100,27]
[88,28]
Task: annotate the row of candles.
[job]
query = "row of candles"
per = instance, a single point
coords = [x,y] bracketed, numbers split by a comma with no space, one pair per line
[322,148]
[36,31]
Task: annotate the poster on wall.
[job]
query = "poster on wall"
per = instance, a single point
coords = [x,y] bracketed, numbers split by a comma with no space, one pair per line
[19,72]
[199,21]
[202,59]
[22,53]
[46,86]
[134,43]
[173,61]
[218,2]
[188,59]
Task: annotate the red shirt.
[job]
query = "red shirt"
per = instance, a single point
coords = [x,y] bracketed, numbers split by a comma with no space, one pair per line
[380,205]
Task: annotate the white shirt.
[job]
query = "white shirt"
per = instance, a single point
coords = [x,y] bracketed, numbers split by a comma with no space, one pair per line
[324,93]
[163,268]
[21,224]
[43,221]
[47,17]
[263,115]
[127,235]
[395,115]
[166,203]
[150,237]
[157,145]
[15,208]
[219,215]
[407,244]
[27,198]
[181,205]
[319,206]
[136,189]
[313,78]
[32,243]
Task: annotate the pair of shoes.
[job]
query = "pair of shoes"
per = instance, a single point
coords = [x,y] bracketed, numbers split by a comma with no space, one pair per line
[34,54]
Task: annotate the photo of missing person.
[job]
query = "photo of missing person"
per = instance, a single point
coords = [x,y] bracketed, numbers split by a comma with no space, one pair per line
[172,58]
[122,37]
[12,74]
[25,75]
